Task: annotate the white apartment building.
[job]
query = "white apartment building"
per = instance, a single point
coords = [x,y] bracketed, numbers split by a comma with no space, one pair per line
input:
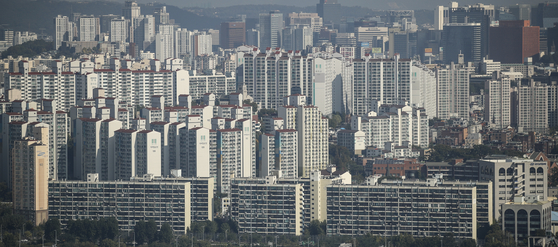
[552,104]
[313,133]
[272,75]
[197,157]
[452,92]
[218,84]
[202,44]
[399,124]
[57,85]
[137,87]
[353,140]
[514,177]
[391,82]
[138,153]
[497,102]
[279,153]
[327,76]
[95,147]
[119,30]
[164,42]
[64,30]
[17,125]
[267,154]
[183,40]
[144,31]
[532,102]
[89,28]
[229,158]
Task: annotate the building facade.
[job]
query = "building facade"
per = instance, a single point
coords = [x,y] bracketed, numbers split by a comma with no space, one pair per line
[127,201]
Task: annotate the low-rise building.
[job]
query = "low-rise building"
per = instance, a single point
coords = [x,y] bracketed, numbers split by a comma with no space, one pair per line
[526,215]
[420,209]
[127,201]
[264,206]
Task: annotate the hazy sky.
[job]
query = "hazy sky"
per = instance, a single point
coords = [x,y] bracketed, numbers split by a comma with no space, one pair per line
[373,4]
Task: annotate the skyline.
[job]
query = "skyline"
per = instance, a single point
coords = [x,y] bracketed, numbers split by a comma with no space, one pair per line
[383,5]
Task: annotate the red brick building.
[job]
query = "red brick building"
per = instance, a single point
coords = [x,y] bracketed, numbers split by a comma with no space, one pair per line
[513,41]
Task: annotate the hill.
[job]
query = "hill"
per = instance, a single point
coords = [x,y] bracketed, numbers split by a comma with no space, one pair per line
[37,15]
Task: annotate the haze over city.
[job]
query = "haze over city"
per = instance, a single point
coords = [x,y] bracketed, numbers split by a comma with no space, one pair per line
[323,123]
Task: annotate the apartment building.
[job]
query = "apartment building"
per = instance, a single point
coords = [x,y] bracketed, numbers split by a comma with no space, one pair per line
[452,92]
[263,206]
[312,127]
[532,101]
[15,126]
[284,72]
[399,124]
[417,209]
[497,102]
[279,153]
[513,177]
[392,82]
[30,176]
[139,153]
[352,140]
[127,201]
[57,85]
[216,83]
[229,158]
[137,86]
[201,193]
[95,148]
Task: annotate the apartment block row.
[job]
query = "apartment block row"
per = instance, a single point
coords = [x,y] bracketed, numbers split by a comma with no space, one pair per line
[204,141]
[385,128]
[67,86]
[175,200]
[18,124]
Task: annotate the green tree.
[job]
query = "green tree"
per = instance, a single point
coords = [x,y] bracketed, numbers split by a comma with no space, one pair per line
[449,240]
[9,240]
[151,231]
[335,121]
[253,104]
[5,193]
[140,232]
[165,234]
[108,228]
[266,112]
[211,227]
[315,228]
[51,226]
[498,238]
[108,243]
[28,49]
[468,243]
